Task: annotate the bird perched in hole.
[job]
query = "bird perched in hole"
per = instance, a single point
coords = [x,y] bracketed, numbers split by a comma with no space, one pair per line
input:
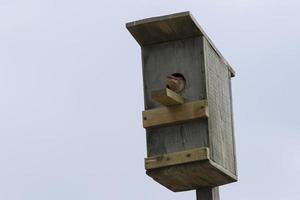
[175,82]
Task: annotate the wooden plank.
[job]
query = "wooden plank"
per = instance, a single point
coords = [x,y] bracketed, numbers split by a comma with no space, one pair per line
[177,158]
[185,57]
[167,28]
[175,114]
[167,97]
[220,121]
[193,175]
[164,28]
[223,171]
[179,137]
[208,193]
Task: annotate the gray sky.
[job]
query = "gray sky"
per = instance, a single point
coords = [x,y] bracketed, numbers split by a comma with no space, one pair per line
[70,130]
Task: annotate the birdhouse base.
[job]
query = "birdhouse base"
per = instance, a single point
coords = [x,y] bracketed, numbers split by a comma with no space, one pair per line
[187,170]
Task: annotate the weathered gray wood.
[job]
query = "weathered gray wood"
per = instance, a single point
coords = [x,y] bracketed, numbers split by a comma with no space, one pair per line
[208,194]
[175,138]
[166,28]
[177,44]
[185,57]
[195,175]
[233,132]
[162,29]
[220,110]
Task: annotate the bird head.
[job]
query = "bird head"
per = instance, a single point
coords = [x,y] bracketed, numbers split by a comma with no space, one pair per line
[175,82]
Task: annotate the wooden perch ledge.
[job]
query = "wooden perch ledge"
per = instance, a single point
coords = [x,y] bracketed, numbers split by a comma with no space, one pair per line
[167,97]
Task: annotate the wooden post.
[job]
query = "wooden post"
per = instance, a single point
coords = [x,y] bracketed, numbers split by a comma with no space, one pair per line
[208,194]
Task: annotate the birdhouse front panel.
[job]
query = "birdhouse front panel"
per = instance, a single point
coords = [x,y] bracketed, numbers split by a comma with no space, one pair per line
[180,56]
[160,60]
[188,104]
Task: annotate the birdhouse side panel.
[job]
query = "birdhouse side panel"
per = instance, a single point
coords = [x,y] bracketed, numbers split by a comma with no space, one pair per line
[160,60]
[220,121]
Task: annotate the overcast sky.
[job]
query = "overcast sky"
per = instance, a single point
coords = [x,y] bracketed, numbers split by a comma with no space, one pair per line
[71,97]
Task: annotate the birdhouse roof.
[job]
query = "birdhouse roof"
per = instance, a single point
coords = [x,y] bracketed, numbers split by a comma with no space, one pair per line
[169,28]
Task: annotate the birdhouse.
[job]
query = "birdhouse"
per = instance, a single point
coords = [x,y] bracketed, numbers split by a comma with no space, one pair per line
[188,104]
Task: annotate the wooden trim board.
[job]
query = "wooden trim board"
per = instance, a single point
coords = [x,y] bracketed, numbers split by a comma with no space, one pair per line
[177,158]
[175,114]
[191,175]
[167,97]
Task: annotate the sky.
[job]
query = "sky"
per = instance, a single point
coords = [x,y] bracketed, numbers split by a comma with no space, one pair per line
[71,97]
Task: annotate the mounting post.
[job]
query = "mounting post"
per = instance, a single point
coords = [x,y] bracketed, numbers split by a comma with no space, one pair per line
[208,194]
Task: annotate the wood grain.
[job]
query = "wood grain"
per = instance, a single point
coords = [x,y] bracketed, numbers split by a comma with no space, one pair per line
[185,57]
[220,121]
[177,44]
[175,114]
[194,175]
[181,157]
[179,137]
[167,97]
[159,60]
[167,28]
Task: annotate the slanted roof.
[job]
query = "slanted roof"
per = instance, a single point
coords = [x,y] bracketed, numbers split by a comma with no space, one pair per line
[168,28]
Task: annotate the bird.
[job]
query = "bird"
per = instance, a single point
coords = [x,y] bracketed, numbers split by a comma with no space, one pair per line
[175,82]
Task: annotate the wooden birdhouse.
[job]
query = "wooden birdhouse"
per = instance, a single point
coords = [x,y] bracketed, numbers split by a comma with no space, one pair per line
[188,104]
